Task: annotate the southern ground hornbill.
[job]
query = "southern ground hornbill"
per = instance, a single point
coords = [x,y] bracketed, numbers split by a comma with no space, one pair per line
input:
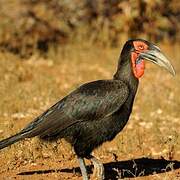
[96,111]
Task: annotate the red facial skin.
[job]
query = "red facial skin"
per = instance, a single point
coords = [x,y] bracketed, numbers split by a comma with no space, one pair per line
[138,69]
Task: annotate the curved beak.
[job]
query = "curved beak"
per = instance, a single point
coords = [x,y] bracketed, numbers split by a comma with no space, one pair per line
[156,56]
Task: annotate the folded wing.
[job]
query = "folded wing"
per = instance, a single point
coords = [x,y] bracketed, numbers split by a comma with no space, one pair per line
[90,102]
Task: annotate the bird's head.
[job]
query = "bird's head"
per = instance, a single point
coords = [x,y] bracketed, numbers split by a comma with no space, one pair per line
[140,50]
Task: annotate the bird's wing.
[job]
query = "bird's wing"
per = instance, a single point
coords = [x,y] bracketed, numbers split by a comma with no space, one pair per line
[90,102]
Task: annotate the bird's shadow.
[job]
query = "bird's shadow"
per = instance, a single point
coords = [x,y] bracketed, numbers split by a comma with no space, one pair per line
[123,169]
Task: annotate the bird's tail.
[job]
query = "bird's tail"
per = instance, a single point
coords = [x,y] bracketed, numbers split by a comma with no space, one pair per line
[31,130]
[11,140]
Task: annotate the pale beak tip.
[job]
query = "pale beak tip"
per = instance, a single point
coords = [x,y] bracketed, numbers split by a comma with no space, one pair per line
[173,72]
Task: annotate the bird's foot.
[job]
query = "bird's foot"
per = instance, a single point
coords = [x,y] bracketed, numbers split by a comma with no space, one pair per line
[98,172]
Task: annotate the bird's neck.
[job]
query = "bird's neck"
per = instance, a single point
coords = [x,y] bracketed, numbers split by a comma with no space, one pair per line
[124,73]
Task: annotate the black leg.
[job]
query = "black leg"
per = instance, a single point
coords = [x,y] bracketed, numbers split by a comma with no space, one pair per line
[83,168]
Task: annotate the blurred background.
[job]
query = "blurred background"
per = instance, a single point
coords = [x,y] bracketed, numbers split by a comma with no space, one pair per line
[30,25]
[48,48]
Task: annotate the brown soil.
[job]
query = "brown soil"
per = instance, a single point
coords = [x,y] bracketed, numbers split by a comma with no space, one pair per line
[148,147]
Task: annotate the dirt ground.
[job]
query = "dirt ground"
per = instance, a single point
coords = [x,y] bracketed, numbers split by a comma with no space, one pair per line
[147,148]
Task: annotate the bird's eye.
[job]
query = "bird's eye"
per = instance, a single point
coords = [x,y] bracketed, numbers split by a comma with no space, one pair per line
[141,47]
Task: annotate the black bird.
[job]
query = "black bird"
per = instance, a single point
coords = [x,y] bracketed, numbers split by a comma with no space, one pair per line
[96,111]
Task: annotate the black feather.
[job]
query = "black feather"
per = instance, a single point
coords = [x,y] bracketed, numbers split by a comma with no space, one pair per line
[92,114]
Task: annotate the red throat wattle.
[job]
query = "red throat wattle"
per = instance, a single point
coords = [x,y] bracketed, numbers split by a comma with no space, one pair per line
[138,68]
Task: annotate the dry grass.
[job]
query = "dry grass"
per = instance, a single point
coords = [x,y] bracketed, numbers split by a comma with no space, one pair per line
[29,87]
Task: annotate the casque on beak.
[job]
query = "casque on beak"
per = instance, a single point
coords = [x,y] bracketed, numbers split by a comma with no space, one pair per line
[155,55]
